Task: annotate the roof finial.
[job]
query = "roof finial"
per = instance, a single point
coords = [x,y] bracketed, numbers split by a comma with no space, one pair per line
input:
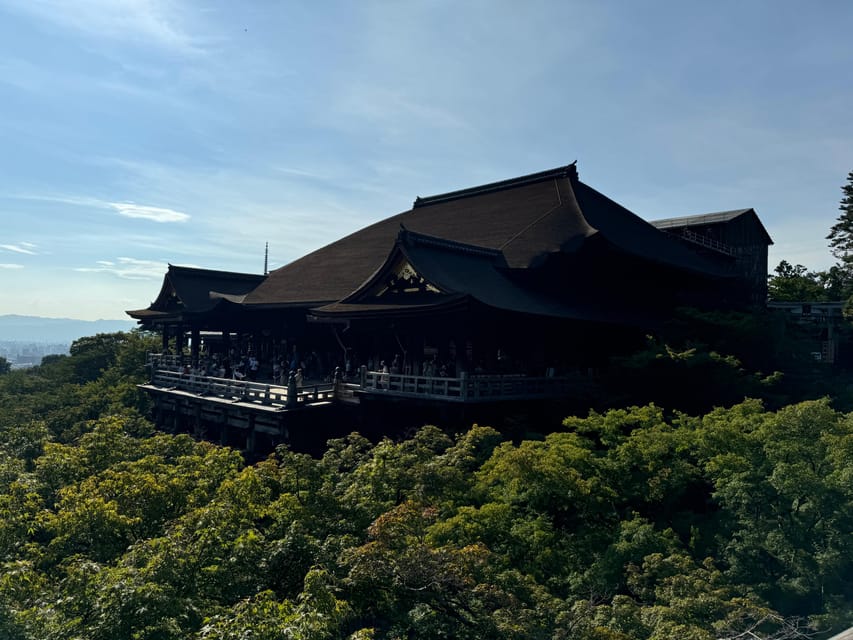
[266,258]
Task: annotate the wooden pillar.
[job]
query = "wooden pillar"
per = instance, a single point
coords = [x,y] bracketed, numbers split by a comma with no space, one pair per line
[179,340]
[223,432]
[198,429]
[292,391]
[194,346]
[165,338]
[251,436]
[226,342]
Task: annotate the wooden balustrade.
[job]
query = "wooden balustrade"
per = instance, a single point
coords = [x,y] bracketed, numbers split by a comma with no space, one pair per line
[166,361]
[242,390]
[465,388]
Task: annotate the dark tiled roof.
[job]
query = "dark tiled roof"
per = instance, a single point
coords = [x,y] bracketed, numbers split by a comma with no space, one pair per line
[194,286]
[569,171]
[526,218]
[631,234]
[701,219]
[196,291]
[462,272]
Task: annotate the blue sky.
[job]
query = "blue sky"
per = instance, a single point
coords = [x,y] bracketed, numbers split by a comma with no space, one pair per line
[141,132]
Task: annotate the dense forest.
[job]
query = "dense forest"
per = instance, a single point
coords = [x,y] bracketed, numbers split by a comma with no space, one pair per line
[627,523]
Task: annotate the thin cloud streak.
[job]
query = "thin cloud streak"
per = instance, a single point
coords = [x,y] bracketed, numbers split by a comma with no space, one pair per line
[144,22]
[156,214]
[21,247]
[126,209]
[78,201]
[129,268]
[9,265]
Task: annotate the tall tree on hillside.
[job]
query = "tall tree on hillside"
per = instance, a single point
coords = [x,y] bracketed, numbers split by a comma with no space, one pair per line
[841,234]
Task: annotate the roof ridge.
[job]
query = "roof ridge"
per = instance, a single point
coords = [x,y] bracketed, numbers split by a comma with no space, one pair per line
[218,272]
[699,218]
[568,171]
[714,217]
[423,239]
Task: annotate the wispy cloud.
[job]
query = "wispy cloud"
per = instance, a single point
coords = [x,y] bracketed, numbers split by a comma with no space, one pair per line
[61,198]
[302,173]
[148,22]
[22,247]
[126,209]
[8,265]
[157,214]
[129,268]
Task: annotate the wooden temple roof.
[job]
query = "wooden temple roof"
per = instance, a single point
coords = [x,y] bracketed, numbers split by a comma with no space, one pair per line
[495,244]
[718,217]
[527,219]
[193,290]
[444,275]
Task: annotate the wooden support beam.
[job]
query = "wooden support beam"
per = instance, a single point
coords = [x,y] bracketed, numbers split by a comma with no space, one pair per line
[250,434]
[223,432]
[194,346]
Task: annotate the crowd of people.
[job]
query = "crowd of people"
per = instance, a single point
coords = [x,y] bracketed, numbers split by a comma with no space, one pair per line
[247,366]
[314,368]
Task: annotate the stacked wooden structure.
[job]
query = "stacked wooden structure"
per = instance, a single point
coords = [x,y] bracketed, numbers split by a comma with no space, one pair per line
[537,276]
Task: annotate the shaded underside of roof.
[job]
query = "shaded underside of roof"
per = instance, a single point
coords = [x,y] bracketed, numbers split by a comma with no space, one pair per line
[217,308]
[527,219]
[149,314]
[702,219]
[441,302]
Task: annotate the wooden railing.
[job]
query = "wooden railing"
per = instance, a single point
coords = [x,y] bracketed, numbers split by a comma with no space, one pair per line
[168,372]
[466,388]
[376,381]
[705,241]
[166,360]
[347,392]
[241,390]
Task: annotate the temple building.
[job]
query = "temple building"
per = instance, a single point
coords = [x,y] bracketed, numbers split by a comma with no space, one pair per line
[531,280]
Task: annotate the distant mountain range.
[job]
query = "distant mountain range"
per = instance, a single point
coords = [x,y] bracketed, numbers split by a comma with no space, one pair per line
[14,328]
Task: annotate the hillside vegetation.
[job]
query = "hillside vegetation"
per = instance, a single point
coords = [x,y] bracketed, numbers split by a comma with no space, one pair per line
[629,523]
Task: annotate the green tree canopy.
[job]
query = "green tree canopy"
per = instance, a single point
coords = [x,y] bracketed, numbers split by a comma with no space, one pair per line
[841,234]
[640,523]
[795,283]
